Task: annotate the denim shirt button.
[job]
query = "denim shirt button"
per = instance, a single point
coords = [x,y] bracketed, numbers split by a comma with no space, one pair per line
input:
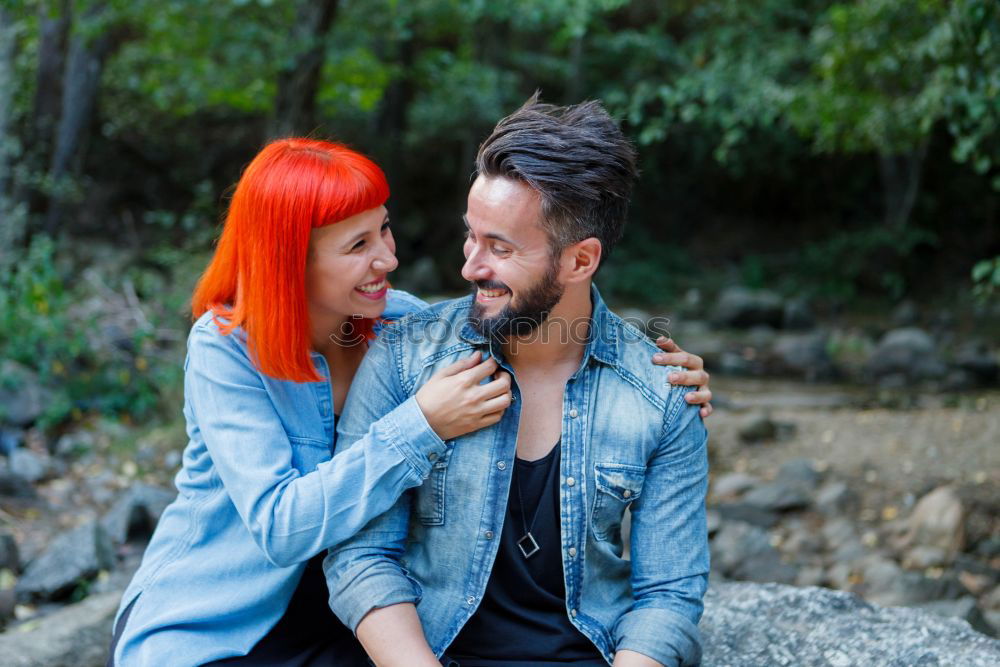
[572,552]
[502,465]
[570,481]
[573,413]
[432,457]
[572,612]
[626,493]
[488,534]
[470,600]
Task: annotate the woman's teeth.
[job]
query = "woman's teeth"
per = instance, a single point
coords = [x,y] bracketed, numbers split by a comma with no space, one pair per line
[372,288]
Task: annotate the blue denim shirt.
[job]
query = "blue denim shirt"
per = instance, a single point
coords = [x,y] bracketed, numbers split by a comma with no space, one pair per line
[629,441]
[259,493]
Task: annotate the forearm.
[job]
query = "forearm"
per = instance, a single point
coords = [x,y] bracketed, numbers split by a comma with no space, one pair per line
[626,658]
[393,636]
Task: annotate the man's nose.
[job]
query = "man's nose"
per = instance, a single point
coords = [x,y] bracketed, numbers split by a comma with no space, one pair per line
[474,268]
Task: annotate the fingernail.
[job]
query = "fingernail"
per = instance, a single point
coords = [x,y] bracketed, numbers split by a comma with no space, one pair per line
[659,338]
[673,377]
[659,357]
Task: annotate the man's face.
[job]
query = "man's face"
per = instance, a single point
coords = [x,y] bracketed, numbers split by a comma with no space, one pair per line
[508,258]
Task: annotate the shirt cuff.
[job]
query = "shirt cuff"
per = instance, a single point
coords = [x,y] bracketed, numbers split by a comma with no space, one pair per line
[414,438]
[361,590]
[660,634]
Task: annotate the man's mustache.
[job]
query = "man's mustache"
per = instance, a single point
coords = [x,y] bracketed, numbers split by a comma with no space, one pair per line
[490,284]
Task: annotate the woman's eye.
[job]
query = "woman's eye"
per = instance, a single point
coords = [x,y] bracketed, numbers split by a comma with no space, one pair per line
[385,226]
[357,246]
[497,250]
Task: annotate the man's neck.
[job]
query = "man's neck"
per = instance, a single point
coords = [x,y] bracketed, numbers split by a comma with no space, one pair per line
[560,340]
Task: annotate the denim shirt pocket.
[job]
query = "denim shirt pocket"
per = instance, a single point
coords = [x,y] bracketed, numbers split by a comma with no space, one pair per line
[618,485]
[431,494]
[307,453]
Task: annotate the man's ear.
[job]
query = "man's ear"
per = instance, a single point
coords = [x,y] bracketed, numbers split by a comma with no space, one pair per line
[580,260]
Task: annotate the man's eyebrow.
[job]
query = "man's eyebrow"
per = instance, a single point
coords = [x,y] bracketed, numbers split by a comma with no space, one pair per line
[357,237]
[492,235]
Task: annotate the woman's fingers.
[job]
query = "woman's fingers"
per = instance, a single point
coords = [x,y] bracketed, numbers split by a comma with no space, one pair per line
[479,372]
[689,378]
[686,359]
[706,410]
[499,386]
[497,404]
[462,364]
[701,397]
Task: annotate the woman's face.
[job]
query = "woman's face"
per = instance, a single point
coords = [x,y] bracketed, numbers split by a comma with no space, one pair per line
[348,264]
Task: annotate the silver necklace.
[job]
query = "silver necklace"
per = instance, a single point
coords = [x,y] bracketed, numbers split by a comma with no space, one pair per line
[527,544]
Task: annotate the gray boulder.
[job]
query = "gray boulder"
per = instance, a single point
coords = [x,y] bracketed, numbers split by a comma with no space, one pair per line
[742,308]
[777,496]
[76,555]
[801,355]
[15,486]
[76,636]
[22,396]
[741,551]
[9,558]
[747,625]
[136,512]
[907,353]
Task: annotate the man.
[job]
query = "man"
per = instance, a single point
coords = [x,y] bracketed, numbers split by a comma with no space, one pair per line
[511,552]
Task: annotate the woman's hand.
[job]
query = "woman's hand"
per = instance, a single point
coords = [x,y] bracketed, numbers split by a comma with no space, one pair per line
[454,403]
[694,376]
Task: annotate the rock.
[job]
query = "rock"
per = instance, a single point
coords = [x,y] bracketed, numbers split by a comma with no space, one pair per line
[777,496]
[9,559]
[76,555]
[811,575]
[733,484]
[29,465]
[801,540]
[15,486]
[964,608]
[835,497]
[136,512]
[922,557]
[75,444]
[937,520]
[75,636]
[979,362]
[22,397]
[799,471]
[742,551]
[800,355]
[10,439]
[837,531]
[761,428]
[992,599]
[747,513]
[907,352]
[797,316]
[747,625]
[742,308]
[905,314]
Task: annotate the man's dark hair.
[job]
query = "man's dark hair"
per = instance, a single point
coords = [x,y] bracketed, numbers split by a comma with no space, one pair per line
[578,160]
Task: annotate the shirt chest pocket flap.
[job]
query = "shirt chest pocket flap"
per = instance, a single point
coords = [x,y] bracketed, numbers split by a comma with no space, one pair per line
[618,485]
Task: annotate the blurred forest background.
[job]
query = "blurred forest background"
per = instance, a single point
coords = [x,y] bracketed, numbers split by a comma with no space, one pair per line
[817,215]
[845,155]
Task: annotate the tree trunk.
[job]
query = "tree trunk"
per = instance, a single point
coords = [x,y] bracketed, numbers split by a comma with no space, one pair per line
[295,105]
[81,83]
[901,184]
[54,19]
[11,225]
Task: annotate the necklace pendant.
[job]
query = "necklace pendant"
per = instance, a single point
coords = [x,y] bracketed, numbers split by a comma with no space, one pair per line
[528,546]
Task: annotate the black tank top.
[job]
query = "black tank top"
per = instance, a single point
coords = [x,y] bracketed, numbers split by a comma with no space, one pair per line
[522,619]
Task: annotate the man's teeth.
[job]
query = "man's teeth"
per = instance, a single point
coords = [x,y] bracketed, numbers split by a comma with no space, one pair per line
[372,288]
[492,293]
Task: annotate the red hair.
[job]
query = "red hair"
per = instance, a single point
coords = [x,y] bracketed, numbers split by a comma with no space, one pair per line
[256,279]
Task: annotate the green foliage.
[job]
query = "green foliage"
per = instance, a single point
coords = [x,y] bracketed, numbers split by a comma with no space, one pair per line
[835,269]
[986,278]
[93,357]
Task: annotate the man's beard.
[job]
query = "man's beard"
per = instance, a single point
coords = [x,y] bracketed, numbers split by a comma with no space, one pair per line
[523,317]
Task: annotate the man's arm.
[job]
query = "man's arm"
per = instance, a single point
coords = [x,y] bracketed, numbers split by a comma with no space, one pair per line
[393,636]
[669,544]
[364,574]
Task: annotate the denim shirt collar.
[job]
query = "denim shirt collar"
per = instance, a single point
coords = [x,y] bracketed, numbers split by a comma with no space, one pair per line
[602,344]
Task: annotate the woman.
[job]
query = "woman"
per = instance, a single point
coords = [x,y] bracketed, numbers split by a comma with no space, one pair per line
[284,312]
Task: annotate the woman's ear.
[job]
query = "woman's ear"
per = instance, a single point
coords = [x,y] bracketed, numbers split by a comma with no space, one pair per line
[580,260]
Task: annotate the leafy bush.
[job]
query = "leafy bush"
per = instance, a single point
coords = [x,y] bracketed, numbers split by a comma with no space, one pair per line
[95,347]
